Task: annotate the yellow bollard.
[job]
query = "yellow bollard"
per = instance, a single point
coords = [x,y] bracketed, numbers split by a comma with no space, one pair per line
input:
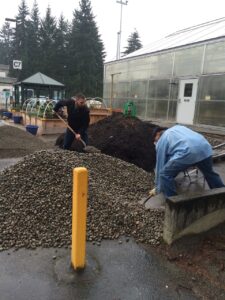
[79,216]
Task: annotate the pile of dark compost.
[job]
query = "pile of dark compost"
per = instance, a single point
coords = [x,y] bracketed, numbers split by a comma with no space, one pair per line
[123,137]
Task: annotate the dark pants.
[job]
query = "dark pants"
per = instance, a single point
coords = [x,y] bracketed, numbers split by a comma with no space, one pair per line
[172,168]
[69,137]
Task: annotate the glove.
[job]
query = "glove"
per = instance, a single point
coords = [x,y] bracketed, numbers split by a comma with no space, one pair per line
[152,192]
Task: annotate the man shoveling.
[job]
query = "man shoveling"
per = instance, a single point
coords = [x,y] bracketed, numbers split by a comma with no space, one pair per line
[78,119]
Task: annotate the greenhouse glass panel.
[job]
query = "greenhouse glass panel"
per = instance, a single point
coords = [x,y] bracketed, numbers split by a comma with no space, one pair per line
[121,90]
[161,65]
[188,61]
[139,74]
[172,110]
[112,69]
[138,68]
[161,109]
[138,89]
[212,88]
[138,63]
[159,89]
[173,101]
[174,90]
[140,107]
[119,103]
[107,102]
[211,113]
[150,110]
[107,90]
[214,58]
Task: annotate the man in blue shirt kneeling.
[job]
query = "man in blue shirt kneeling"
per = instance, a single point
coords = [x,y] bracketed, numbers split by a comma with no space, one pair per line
[177,149]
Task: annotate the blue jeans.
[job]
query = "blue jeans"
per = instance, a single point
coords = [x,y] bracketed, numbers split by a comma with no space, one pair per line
[69,137]
[172,168]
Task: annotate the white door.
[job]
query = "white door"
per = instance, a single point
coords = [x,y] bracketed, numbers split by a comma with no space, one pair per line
[186,101]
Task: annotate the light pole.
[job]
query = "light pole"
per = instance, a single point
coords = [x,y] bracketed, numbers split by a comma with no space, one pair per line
[120,31]
[17,96]
[111,96]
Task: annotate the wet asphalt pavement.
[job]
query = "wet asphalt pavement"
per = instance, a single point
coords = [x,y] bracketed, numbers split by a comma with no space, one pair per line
[113,271]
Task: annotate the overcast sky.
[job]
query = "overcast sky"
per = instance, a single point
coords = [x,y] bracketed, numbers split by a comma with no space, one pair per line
[152,19]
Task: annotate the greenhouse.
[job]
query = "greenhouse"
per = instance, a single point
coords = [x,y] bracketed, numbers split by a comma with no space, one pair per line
[180,78]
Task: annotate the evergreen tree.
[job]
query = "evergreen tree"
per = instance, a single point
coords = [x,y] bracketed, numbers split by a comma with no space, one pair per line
[70,53]
[60,57]
[86,53]
[6,40]
[48,31]
[134,43]
[34,51]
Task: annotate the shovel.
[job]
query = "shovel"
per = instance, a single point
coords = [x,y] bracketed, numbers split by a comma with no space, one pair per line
[144,200]
[88,149]
[158,202]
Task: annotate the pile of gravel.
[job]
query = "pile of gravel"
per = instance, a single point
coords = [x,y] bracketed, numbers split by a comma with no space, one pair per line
[36,193]
[15,142]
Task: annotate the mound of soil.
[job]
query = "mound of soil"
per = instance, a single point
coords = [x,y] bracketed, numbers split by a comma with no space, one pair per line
[203,256]
[123,137]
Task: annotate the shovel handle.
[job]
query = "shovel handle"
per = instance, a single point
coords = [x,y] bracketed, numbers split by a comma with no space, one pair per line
[147,199]
[71,129]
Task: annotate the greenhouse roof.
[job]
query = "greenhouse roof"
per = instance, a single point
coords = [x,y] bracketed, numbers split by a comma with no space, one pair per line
[41,79]
[191,35]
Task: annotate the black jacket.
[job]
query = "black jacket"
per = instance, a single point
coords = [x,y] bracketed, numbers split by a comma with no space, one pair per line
[78,117]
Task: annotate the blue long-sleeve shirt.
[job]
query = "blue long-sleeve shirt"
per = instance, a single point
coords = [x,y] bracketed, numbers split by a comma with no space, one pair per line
[180,143]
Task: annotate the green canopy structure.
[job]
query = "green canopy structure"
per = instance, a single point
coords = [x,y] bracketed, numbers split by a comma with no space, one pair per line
[37,86]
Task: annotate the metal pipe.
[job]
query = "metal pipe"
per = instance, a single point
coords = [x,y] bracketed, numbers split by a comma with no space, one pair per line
[120,31]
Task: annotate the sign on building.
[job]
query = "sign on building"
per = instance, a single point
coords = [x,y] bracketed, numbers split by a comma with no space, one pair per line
[17,64]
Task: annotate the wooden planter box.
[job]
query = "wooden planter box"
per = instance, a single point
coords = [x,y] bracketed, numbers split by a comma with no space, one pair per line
[98,114]
[55,126]
[45,126]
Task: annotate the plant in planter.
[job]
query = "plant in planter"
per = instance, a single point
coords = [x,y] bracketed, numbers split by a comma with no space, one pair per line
[17,108]
[46,110]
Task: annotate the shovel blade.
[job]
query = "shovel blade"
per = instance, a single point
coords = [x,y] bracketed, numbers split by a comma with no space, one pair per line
[144,200]
[91,149]
[156,202]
